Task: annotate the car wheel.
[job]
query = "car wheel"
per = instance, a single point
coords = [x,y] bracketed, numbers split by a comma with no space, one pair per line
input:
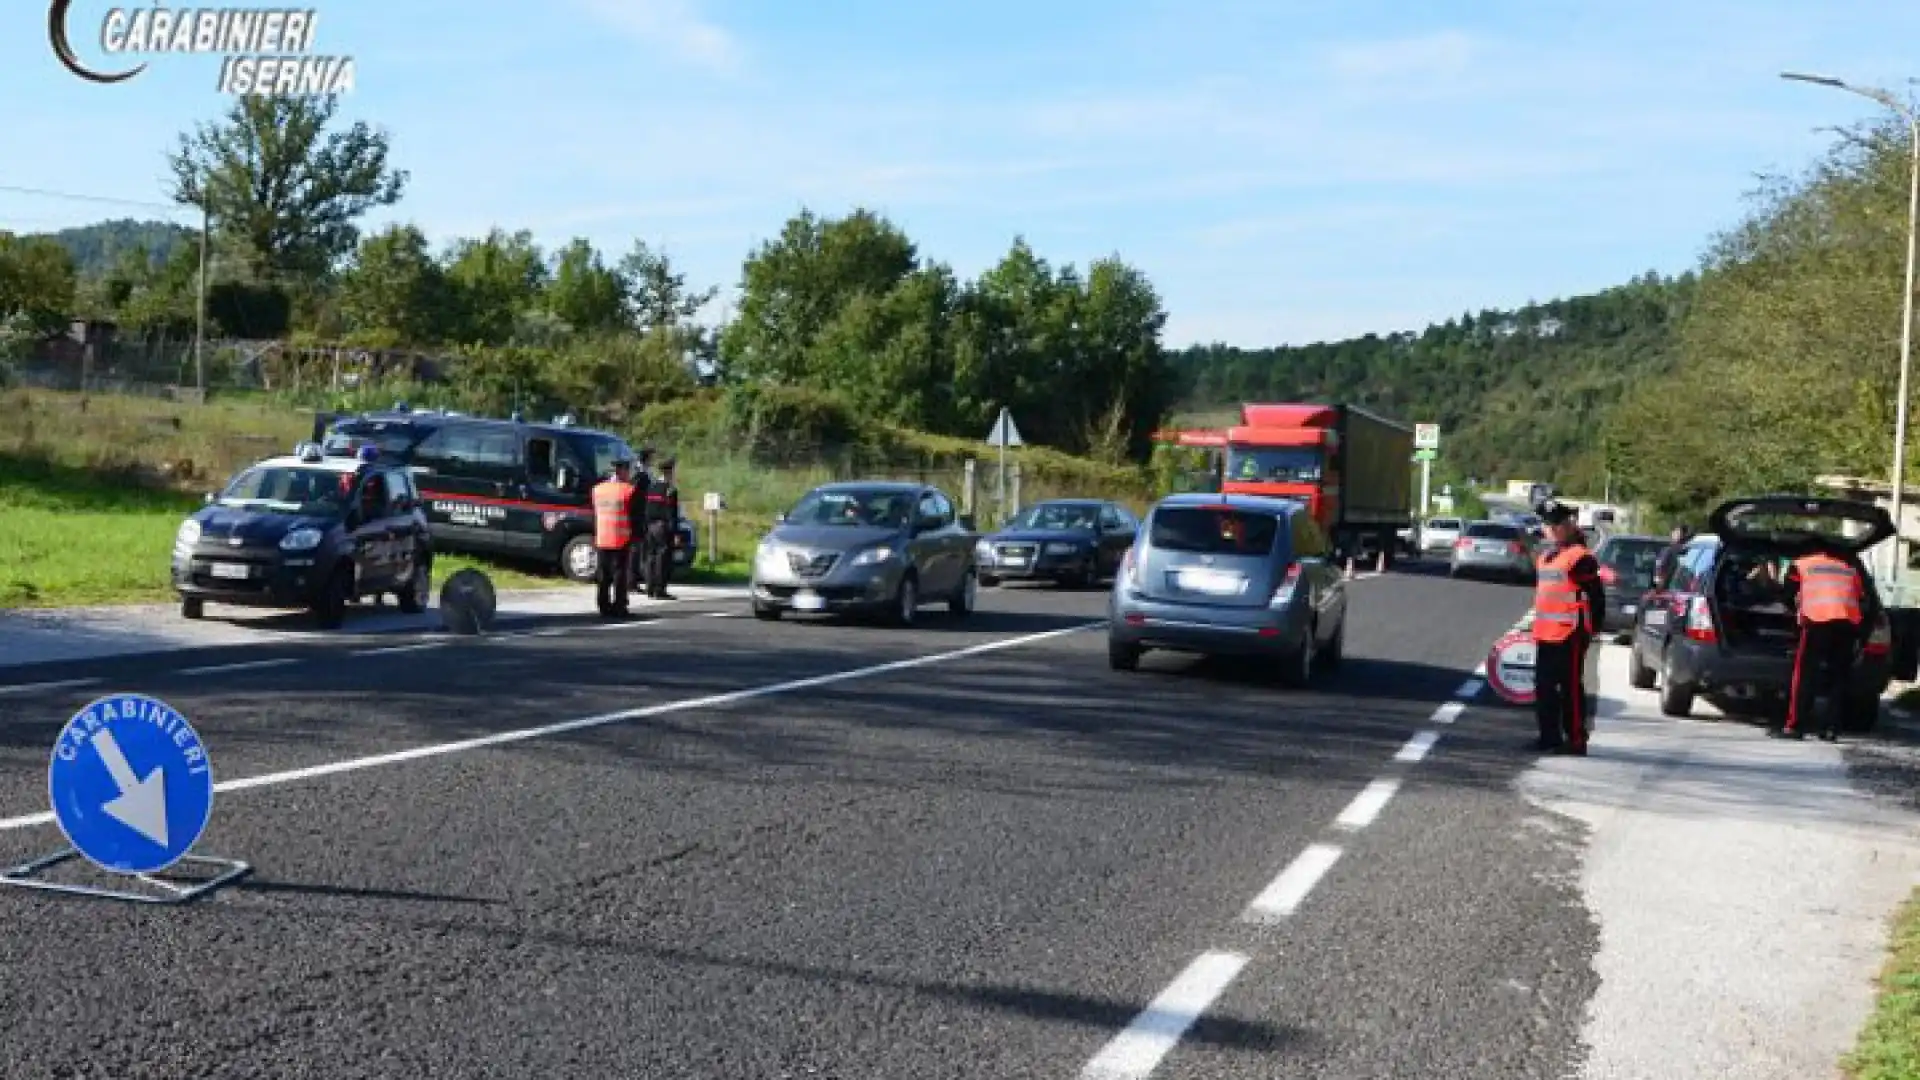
[192,607]
[579,561]
[1676,699]
[766,613]
[961,603]
[419,591]
[1122,656]
[906,602]
[1639,675]
[331,610]
[1296,668]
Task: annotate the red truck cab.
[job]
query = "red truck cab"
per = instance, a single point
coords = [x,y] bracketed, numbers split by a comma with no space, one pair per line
[1286,451]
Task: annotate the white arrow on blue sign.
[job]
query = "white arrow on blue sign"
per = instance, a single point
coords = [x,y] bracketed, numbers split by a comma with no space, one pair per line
[131,784]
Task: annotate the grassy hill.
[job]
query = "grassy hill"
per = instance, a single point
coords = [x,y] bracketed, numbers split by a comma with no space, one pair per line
[1517,393]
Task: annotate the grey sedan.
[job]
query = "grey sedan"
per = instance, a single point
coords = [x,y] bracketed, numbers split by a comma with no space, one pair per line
[1493,549]
[866,548]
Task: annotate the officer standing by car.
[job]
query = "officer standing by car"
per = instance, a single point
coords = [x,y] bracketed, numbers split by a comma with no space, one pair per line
[663,524]
[642,483]
[1569,603]
[613,505]
[1829,603]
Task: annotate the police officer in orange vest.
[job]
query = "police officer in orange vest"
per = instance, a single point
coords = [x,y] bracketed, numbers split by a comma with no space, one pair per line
[1830,604]
[1569,602]
[613,538]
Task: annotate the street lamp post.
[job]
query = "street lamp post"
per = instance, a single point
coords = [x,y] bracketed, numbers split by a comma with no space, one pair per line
[1912,118]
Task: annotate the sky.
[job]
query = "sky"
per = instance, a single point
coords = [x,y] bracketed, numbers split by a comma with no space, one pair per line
[1283,172]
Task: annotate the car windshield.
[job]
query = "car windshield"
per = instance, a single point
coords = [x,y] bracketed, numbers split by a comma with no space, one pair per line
[892,509]
[1213,531]
[1283,465]
[1056,516]
[289,490]
[606,450]
[1487,530]
[347,436]
[1632,560]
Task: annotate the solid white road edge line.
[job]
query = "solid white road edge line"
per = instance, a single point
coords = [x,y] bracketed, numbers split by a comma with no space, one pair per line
[63,684]
[1417,747]
[501,738]
[1137,1051]
[1288,891]
[250,665]
[1367,805]
[1470,689]
[398,649]
[1448,713]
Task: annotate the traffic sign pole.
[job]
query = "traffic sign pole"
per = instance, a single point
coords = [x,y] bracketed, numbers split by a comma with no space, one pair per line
[132,790]
[1426,486]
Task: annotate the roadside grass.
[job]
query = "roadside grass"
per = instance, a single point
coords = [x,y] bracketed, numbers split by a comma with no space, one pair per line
[93,488]
[1889,1045]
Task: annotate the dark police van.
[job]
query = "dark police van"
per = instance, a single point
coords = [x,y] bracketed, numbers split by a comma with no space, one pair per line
[307,531]
[498,487]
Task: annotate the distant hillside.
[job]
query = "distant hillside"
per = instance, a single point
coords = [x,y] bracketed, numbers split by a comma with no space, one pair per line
[1517,393]
[97,248]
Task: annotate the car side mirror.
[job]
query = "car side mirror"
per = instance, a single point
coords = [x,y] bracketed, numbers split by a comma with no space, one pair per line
[564,479]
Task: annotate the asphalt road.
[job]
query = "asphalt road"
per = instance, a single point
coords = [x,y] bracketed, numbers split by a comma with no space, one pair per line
[822,850]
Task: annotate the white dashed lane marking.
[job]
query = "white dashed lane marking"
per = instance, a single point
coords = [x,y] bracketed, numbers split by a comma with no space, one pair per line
[1448,713]
[1367,805]
[1417,747]
[249,665]
[1288,891]
[1137,1051]
[390,649]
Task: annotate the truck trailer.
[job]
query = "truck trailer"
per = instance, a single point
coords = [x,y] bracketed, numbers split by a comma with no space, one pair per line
[1348,465]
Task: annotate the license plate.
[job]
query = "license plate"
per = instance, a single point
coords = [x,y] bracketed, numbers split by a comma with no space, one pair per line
[1013,560]
[1490,549]
[1210,582]
[1656,617]
[806,601]
[230,571]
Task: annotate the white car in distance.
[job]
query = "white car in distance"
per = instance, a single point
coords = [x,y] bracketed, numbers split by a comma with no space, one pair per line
[1438,534]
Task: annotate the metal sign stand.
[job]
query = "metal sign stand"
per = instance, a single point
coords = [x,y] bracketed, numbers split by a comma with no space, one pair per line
[230,871]
[132,790]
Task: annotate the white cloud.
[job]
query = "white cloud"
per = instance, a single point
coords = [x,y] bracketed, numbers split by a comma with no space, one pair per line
[1431,58]
[674,25]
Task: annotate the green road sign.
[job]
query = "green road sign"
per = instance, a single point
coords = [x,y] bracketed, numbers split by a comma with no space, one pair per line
[1425,455]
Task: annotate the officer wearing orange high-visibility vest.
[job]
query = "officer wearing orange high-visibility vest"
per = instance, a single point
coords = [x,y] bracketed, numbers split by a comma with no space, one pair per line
[613,538]
[1569,601]
[1830,603]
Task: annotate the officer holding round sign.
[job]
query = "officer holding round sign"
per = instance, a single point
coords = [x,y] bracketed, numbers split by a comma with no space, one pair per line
[1569,602]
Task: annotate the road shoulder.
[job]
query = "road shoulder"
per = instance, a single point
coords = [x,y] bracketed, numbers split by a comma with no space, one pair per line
[1742,887]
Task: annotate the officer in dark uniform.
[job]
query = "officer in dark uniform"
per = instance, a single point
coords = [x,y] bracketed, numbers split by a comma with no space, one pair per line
[1569,604]
[642,483]
[663,526]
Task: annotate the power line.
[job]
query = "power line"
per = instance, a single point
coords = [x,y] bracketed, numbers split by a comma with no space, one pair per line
[169,207]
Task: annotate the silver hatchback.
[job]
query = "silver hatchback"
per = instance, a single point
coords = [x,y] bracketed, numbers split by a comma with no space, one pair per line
[1493,549]
[1229,575]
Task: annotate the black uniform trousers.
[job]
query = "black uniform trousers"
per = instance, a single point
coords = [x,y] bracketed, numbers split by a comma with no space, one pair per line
[612,569]
[1821,666]
[659,558]
[1563,702]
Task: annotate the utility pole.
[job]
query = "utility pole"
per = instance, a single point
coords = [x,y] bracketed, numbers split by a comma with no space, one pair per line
[1906,111]
[200,316]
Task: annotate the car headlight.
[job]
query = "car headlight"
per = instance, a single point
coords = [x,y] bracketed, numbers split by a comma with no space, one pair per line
[189,533]
[983,552]
[1058,548]
[301,540]
[873,556]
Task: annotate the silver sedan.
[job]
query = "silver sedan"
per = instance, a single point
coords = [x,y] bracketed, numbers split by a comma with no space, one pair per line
[1493,549]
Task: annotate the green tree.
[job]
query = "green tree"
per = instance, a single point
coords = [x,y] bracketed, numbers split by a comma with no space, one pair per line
[657,295]
[286,192]
[37,282]
[496,279]
[395,292]
[584,293]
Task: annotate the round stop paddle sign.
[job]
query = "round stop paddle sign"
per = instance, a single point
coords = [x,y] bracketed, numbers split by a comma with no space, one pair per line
[1510,667]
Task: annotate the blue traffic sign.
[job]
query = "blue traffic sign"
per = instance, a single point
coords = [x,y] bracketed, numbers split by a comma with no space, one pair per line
[131,784]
